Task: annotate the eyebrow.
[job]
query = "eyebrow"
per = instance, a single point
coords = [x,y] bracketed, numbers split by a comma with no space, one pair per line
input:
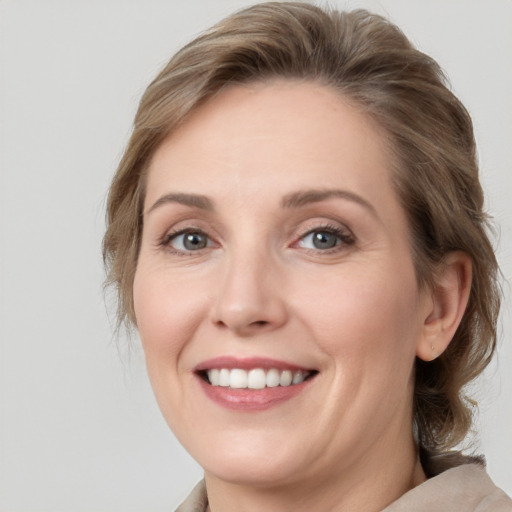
[306,197]
[293,200]
[192,200]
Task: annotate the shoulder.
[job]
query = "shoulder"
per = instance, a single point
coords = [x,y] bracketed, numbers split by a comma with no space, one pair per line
[466,488]
[197,501]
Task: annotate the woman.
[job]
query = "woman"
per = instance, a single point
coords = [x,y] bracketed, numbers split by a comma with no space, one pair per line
[296,230]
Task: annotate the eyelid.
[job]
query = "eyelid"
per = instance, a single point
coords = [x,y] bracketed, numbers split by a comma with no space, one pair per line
[169,236]
[335,227]
[324,225]
[183,223]
[341,231]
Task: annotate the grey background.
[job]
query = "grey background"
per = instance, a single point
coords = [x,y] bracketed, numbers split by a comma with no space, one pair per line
[79,428]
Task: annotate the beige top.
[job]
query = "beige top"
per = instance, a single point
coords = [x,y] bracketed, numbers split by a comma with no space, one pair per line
[466,488]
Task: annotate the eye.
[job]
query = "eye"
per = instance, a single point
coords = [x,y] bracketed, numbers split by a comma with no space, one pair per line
[189,240]
[325,239]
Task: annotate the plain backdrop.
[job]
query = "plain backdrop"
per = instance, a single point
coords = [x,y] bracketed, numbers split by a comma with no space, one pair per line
[79,427]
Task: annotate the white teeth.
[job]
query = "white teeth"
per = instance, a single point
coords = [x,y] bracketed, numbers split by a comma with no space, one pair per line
[224,378]
[272,378]
[238,379]
[298,377]
[286,378]
[254,379]
[213,375]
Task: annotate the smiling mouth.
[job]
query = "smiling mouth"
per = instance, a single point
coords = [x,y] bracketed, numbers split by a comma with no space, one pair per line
[256,378]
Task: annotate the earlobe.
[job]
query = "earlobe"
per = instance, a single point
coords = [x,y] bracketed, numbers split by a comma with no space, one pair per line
[446,308]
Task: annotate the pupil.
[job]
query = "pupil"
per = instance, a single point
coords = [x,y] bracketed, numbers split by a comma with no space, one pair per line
[194,241]
[323,240]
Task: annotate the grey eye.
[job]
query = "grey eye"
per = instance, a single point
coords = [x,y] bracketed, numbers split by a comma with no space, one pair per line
[190,241]
[324,240]
[320,239]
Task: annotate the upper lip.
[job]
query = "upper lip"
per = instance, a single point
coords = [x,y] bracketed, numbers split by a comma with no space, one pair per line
[248,363]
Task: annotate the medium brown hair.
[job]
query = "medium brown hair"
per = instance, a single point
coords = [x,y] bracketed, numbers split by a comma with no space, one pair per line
[371,62]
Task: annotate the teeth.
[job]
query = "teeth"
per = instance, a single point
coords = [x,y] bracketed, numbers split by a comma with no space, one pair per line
[286,378]
[272,378]
[223,378]
[213,375]
[254,379]
[297,378]
[238,379]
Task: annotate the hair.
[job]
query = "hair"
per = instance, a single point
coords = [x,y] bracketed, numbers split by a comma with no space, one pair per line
[370,62]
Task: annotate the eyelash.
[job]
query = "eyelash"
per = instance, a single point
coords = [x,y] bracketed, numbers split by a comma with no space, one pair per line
[169,237]
[345,238]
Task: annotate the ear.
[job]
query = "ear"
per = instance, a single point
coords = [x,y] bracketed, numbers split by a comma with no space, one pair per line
[445,309]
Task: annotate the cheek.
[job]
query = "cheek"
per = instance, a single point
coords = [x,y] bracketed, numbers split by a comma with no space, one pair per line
[361,314]
[167,313]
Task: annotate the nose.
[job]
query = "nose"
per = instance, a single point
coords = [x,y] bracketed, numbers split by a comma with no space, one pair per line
[250,297]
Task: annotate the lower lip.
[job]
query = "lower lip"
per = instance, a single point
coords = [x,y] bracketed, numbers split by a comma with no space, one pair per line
[251,399]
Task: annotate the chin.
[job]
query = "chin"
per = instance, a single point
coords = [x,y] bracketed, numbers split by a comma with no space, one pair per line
[262,472]
[261,462]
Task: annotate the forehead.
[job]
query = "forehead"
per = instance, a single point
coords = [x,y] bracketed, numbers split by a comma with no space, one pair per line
[266,136]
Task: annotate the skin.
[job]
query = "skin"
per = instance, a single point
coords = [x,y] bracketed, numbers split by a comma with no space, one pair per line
[261,288]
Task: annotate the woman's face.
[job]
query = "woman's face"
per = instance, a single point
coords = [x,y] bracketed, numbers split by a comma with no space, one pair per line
[275,249]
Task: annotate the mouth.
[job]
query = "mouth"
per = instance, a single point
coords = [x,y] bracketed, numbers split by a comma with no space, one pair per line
[255,378]
[252,384]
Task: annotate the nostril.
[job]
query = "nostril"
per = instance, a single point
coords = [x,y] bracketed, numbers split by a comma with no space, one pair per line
[260,323]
